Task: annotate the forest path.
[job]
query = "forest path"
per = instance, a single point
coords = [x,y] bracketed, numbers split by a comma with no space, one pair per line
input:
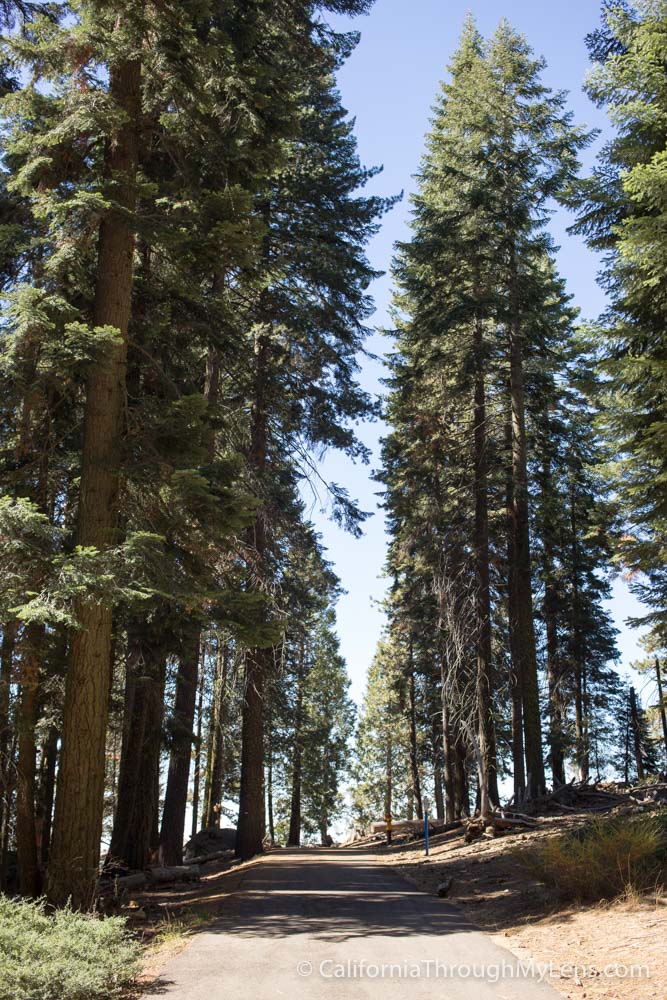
[307,924]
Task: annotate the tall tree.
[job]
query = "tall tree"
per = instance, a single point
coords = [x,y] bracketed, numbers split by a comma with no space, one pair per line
[621,215]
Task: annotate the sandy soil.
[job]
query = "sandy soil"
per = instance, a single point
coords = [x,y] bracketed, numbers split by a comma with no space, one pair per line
[601,941]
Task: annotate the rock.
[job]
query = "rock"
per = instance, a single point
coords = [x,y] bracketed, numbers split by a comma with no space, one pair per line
[210,841]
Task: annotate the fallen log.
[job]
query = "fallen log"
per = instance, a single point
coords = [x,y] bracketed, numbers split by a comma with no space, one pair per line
[509,822]
[177,873]
[134,881]
[203,859]
[520,817]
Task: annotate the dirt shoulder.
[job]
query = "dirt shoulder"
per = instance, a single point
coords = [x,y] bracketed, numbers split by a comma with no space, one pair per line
[497,894]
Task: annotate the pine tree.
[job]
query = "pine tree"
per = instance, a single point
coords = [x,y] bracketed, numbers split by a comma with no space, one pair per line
[140,157]
[479,308]
[621,215]
[381,769]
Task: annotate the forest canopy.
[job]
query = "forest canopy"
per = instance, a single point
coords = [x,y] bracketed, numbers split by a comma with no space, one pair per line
[185,306]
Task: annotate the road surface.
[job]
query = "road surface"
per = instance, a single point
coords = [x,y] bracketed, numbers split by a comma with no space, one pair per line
[316,924]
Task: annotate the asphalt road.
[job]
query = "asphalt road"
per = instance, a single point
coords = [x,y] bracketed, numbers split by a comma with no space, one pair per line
[317,924]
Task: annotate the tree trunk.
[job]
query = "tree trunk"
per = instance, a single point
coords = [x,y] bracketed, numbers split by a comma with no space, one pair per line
[515,685]
[294,836]
[661,701]
[269,799]
[80,793]
[6,676]
[250,831]
[26,786]
[133,827]
[488,781]
[450,796]
[47,785]
[461,789]
[437,769]
[414,762]
[215,769]
[637,735]
[550,612]
[196,779]
[520,567]
[580,696]
[389,777]
[176,794]
[556,734]
[251,823]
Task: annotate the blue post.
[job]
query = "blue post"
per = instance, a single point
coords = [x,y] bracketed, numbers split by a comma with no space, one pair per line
[426,831]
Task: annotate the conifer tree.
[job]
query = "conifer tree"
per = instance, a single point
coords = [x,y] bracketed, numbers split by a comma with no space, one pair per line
[474,314]
[621,214]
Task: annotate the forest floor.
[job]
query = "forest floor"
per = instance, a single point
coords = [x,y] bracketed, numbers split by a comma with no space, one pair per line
[496,892]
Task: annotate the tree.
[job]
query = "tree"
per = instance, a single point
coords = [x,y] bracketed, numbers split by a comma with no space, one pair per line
[307,324]
[138,262]
[621,207]
[479,308]
[381,770]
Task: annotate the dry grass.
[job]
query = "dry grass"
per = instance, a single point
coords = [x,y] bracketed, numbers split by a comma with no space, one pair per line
[607,859]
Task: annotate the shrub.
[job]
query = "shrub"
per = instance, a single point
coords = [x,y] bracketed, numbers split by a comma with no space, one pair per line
[603,860]
[64,956]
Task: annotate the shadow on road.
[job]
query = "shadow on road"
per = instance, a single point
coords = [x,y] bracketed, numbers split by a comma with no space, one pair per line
[335,894]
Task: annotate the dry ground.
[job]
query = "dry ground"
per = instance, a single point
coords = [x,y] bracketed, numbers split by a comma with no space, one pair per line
[495,891]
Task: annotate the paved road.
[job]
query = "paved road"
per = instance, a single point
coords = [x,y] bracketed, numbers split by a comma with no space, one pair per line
[320,924]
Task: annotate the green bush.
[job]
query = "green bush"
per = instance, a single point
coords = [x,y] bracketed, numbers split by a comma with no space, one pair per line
[64,956]
[603,860]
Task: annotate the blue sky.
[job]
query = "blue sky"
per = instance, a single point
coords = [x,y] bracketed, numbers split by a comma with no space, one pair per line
[389,85]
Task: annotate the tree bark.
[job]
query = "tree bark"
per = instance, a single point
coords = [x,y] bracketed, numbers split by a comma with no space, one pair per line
[134,821]
[47,785]
[550,612]
[520,569]
[80,792]
[215,770]
[26,785]
[414,762]
[6,676]
[661,701]
[251,822]
[196,779]
[637,735]
[450,793]
[294,835]
[581,694]
[515,683]
[176,794]
[461,789]
[269,798]
[437,769]
[556,715]
[488,781]
[389,777]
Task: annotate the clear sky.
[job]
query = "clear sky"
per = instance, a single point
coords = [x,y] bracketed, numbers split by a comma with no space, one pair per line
[389,85]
